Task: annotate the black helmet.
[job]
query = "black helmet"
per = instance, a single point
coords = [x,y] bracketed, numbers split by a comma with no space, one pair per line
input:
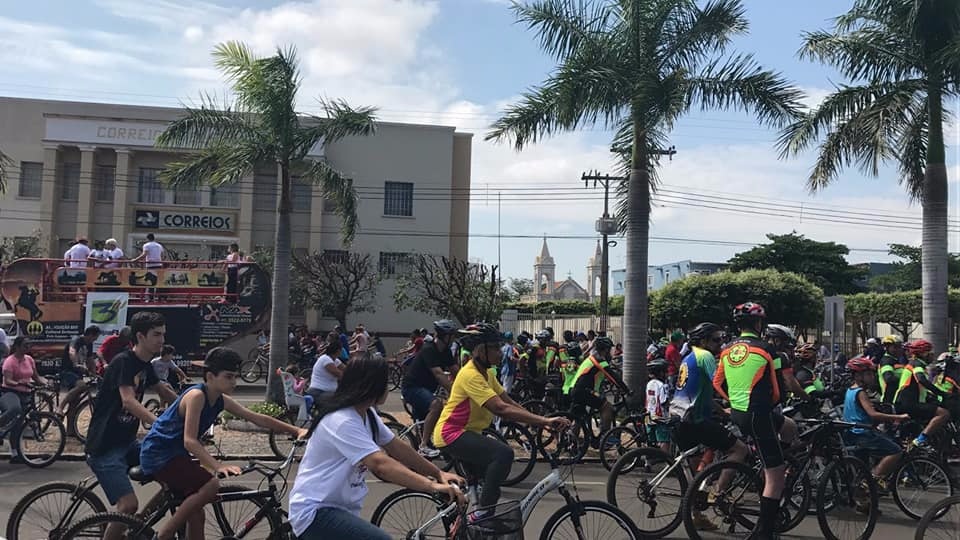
[702,331]
[749,310]
[573,349]
[522,339]
[603,343]
[445,326]
[476,334]
[657,364]
[543,335]
[779,331]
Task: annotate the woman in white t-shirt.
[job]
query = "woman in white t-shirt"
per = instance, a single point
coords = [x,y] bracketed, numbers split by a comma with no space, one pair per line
[327,371]
[350,439]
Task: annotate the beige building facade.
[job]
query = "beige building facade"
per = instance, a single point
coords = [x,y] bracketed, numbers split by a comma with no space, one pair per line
[88,169]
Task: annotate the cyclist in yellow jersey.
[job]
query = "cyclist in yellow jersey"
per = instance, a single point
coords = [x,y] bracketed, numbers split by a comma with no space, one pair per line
[746,376]
[915,390]
[475,398]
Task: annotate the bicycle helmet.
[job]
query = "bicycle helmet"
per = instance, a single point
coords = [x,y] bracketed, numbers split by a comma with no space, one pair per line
[945,357]
[508,336]
[703,331]
[603,343]
[658,364]
[919,347]
[445,326]
[477,334]
[779,331]
[860,363]
[543,335]
[892,339]
[806,351]
[748,311]
[573,349]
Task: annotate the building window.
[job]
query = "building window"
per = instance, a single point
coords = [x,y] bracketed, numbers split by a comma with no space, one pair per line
[70,181]
[104,179]
[265,192]
[218,252]
[225,196]
[666,277]
[302,195]
[149,188]
[31,179]
[188,195]
[335,256]
[392,264]
[398,199]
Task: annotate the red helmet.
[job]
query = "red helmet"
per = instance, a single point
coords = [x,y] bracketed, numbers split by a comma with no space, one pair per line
[860,363]
[749,310]
[918,347]
[806,351]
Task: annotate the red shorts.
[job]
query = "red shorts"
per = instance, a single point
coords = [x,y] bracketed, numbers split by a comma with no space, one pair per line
[183,476]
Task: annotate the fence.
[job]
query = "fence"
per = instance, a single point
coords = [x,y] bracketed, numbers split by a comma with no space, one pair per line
[533,323]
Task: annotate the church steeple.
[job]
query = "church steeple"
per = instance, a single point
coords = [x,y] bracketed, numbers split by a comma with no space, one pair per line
[594,271]
[544,257]
[544,274]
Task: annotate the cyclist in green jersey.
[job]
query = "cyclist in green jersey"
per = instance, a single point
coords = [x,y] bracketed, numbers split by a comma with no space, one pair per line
[946,381]
[914,389]
[590,375]
[803,369]
[746,376]
[781,339]
[571,355]
[891,367]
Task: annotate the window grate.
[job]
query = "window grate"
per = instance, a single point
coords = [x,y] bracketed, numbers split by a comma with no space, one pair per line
[149,187]
[31,179]
[398,199]
[70,181]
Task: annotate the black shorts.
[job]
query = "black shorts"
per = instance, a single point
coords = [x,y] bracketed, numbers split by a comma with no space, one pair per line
[708,433]
[760,426]
[587,398]
[920,412]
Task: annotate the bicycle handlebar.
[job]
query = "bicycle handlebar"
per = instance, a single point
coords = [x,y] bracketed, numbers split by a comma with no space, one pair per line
[836,423]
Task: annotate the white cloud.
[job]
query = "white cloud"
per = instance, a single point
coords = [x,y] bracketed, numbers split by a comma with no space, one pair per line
[814,96]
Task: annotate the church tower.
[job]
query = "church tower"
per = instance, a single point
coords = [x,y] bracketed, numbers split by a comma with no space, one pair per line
[594,273]
[544,274]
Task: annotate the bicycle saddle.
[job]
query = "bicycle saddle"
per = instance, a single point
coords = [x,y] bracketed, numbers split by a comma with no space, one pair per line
[136,474]
[669,422]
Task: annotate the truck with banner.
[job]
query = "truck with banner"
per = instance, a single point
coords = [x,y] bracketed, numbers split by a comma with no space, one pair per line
[52,303]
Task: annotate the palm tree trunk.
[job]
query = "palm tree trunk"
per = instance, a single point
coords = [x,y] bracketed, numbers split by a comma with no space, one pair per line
[934,251]
[636,315]
[280,311]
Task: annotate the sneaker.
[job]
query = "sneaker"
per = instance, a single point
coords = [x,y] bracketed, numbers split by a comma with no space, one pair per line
[883,489]
[701,523]
[920,443]
[428,452]
[17,460]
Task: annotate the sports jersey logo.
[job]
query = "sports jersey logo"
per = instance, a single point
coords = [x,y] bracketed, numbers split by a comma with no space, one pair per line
[738,354]
[682,377]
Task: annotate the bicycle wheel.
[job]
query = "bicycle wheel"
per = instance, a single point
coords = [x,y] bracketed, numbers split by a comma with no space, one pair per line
[794,508]
[396,377]
[152,405]
[918,483]
[537,406]
[718,505]
[387,417]
[282,443]
[407,510]
[569,446]
[524,451]
[655,508]
[847,506]
[47,511]
[616,442]
[941,522]
[589,520]
[38,445]
[79,419]
[251,370]
[227,519]
[129,527]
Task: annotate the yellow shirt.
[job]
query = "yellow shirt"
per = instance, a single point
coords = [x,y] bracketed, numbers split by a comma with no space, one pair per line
[464,410]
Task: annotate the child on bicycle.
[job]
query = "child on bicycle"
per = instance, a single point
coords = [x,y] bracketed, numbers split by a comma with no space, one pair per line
[169,449]
[858,408]
[657,397]
[163,365]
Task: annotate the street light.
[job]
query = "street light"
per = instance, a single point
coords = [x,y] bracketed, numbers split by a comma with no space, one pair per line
[606,226]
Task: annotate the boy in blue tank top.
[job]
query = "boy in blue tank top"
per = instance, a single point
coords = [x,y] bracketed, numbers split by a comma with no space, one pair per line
[173,454]
[858,408]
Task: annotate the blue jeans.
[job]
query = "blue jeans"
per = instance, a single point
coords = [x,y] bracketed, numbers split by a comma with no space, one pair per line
[111,468]
[337,523]
[419,399]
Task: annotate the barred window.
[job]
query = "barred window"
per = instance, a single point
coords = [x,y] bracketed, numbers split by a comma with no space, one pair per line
[70,181]
[188,195]
[104,181]
[31,179]
[335,256]
[149,188]
[302,194]
[398,198]
[392,264]
[265,192]
[225,196]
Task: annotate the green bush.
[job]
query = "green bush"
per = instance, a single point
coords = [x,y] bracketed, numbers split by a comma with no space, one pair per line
[262,407]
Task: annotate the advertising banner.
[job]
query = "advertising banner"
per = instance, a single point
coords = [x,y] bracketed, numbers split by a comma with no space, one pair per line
[107,310]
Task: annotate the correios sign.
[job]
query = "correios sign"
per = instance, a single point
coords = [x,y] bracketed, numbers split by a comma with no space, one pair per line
[192,221]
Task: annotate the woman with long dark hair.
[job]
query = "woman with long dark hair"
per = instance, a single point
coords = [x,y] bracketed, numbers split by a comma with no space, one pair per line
[348,439]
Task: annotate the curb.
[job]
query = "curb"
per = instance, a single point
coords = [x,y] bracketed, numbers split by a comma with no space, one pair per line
[244,457]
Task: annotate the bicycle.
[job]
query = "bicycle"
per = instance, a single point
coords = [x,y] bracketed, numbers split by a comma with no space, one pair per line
[256,364]
[79,416]
[941,521]
[398,515]
[267,502]
[38,436]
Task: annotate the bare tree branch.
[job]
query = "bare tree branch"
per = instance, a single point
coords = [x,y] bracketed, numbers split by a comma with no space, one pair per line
[338,283]
[450,287]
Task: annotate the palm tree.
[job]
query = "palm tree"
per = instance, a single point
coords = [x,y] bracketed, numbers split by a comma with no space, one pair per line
[637,66]
[5,164]
[262,127]
[903,57]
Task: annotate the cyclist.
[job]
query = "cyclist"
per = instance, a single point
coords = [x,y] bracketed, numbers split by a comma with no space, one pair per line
[782,340]
[657,406]
[590,375]
[806,355]
[946,381]
[19,370]
[746,376]
[164,364]
[914,388]
[78,359]
[571,354]
[327,369]
[427,372]
[350,439]
[672,356]
[508,362]
[112,346]
[858,408]
[891,367]
[476,397]
[172,452]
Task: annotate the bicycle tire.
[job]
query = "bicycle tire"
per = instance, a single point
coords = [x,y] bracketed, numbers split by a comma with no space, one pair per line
[934,517]
[696,499]
[62,515]
[524,451]
[53,442]
[567,447]
[537,406]
[251,371]
[641,461]
[793,510]
[401,522]
[228,517]
[575,513]
[846,476]
[907,472]
[396,377]
[152,405]
[94,526]
[282,443]
[626,439]
[387,417]
[79,419]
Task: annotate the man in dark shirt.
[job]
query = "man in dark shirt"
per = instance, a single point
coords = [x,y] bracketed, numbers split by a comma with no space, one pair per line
[112,438]
[424,375]
[78,360]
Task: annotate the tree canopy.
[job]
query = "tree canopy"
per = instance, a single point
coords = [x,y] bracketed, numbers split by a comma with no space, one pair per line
[338,283]
[906,273]
[451,288]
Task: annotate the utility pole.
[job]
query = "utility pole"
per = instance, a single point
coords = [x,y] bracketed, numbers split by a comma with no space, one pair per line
[606,226]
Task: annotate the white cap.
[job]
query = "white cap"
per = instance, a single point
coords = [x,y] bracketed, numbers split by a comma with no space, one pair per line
[111,241]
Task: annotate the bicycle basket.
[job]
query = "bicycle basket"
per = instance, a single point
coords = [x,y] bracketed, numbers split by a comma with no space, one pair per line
[504,523]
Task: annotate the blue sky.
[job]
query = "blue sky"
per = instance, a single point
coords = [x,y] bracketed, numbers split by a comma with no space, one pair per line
[458,62]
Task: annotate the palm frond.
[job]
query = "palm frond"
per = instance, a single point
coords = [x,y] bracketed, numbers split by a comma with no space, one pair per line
[534,117]
[912,146]
[340,191]
[6,165]
[213,165]
[563,26]
[741,83]
[693,34]
[235,59]
[873,54]
[341,121]
[208,125]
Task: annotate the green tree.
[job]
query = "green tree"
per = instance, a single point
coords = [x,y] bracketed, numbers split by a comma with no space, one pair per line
[636,67]
[262,127]
[902,57]
[788,298]
[13,248]
[519,287]
[906,274]
[338,283]
[898,309]
[450,288]
[823,263]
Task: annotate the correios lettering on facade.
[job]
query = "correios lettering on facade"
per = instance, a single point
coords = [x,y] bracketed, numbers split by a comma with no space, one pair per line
[131,133]
[190,221]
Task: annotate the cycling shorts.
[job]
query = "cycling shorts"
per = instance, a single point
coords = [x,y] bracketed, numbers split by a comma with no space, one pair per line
[585,397]
[920,412]
[760,426]
[708,433]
